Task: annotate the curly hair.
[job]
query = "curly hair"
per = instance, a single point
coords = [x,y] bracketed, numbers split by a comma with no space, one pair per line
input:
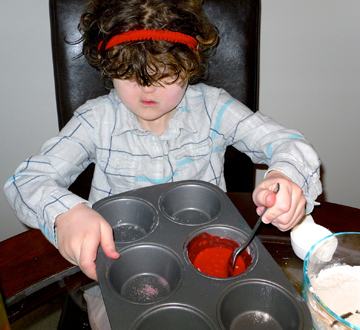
[147,61]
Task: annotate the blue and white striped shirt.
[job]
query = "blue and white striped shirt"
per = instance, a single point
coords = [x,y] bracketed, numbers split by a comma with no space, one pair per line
[127,157]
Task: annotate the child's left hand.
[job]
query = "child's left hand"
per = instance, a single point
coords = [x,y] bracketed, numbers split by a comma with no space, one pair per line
[286,208]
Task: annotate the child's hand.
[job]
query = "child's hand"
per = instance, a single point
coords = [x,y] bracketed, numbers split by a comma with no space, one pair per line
[286,208]
[80,231]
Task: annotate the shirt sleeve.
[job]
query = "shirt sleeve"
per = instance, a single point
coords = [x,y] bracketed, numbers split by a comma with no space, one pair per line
[38,191]
[267,142]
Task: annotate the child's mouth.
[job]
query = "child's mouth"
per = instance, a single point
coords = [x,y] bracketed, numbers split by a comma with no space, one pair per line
[148,102]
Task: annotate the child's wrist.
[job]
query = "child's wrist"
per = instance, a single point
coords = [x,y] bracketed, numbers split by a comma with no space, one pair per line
[276,174]
[78,208]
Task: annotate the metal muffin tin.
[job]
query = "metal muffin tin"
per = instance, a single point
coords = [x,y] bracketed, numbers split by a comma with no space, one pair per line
[153,285]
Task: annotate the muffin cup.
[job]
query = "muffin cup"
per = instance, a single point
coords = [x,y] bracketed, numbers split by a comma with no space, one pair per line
[224,232]
[174,317]
[145,274]
[191,204]
[131,218]
[258,304]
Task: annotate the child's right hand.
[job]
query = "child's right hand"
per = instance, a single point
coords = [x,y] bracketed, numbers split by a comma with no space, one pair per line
[79,232]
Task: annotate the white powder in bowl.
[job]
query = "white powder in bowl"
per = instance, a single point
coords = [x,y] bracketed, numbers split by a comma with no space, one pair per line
[339,289]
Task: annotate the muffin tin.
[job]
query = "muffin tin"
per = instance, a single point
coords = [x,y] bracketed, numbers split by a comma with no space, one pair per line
[153,285]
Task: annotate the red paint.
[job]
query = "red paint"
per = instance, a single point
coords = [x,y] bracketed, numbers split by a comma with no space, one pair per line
[210,255]
[214,262]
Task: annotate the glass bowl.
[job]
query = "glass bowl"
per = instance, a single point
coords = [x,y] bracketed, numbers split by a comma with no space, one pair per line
[332,281]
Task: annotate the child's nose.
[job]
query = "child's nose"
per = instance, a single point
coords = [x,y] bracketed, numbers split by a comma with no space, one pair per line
[148,89]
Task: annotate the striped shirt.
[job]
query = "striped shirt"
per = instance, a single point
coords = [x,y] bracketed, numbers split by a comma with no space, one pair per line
[126,156]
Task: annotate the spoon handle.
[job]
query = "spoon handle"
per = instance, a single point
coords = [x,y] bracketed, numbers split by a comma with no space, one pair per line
[238,250]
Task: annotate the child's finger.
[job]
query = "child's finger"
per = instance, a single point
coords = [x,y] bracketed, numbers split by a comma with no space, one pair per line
[87,257]
[265,197]
[107,241]
[288,220]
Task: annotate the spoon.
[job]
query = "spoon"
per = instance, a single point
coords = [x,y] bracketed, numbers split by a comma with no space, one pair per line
[241,248]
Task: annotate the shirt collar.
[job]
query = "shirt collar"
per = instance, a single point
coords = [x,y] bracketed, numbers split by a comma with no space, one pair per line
[182,119]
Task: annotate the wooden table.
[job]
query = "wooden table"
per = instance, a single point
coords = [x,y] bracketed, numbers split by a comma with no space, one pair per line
[32,271]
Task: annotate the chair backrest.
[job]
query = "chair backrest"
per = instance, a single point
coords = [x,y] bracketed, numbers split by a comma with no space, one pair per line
[235,67]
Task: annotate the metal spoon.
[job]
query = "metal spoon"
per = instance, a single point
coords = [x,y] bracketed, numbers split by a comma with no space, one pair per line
[241,248]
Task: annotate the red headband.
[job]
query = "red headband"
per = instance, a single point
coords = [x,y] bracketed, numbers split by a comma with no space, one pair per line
[136,35]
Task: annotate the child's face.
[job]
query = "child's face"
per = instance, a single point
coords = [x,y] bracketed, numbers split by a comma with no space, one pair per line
[153,105]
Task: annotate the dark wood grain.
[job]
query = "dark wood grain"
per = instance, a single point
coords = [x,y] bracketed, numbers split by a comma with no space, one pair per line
[32,272]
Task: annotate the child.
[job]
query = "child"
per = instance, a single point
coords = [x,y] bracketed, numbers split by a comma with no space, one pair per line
[153,127]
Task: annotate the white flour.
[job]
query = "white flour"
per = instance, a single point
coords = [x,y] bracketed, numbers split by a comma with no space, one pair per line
[339,288]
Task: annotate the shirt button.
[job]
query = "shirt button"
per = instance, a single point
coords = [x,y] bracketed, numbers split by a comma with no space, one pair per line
[118,163]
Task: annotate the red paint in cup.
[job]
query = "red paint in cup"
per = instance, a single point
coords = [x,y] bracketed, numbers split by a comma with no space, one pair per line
[210,255]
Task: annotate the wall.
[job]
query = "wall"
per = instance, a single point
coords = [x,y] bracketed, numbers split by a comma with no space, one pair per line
[310,81]
[310,78]
[27,96]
